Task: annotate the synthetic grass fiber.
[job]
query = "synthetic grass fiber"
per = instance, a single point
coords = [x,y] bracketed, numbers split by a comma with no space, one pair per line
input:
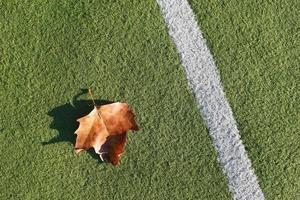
[49,50]
[256,48]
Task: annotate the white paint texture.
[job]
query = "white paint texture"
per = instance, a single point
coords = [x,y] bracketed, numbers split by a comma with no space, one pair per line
[204,80]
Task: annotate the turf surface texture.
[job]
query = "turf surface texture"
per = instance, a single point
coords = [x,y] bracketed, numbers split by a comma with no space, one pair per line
[49,50]
[52,49]
[256,48]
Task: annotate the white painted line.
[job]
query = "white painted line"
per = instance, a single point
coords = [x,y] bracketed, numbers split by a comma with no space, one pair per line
[204,80]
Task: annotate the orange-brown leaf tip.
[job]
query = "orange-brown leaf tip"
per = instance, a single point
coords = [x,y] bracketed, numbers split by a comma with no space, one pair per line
[135,127]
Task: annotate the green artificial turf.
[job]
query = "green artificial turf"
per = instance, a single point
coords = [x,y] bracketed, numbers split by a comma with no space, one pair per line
[49,50]
[256,48]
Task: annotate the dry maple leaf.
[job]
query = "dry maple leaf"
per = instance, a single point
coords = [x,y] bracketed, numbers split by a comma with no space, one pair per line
[104,129]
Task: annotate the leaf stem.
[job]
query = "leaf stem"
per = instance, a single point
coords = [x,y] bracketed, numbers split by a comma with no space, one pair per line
[91,95]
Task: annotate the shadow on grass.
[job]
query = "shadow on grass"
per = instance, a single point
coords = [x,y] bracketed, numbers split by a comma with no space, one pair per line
[65,116]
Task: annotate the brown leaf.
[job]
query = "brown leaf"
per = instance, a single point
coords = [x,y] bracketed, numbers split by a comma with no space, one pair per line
[104,129]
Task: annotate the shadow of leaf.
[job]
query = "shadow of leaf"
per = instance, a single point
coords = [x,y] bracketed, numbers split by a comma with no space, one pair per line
[65,116]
